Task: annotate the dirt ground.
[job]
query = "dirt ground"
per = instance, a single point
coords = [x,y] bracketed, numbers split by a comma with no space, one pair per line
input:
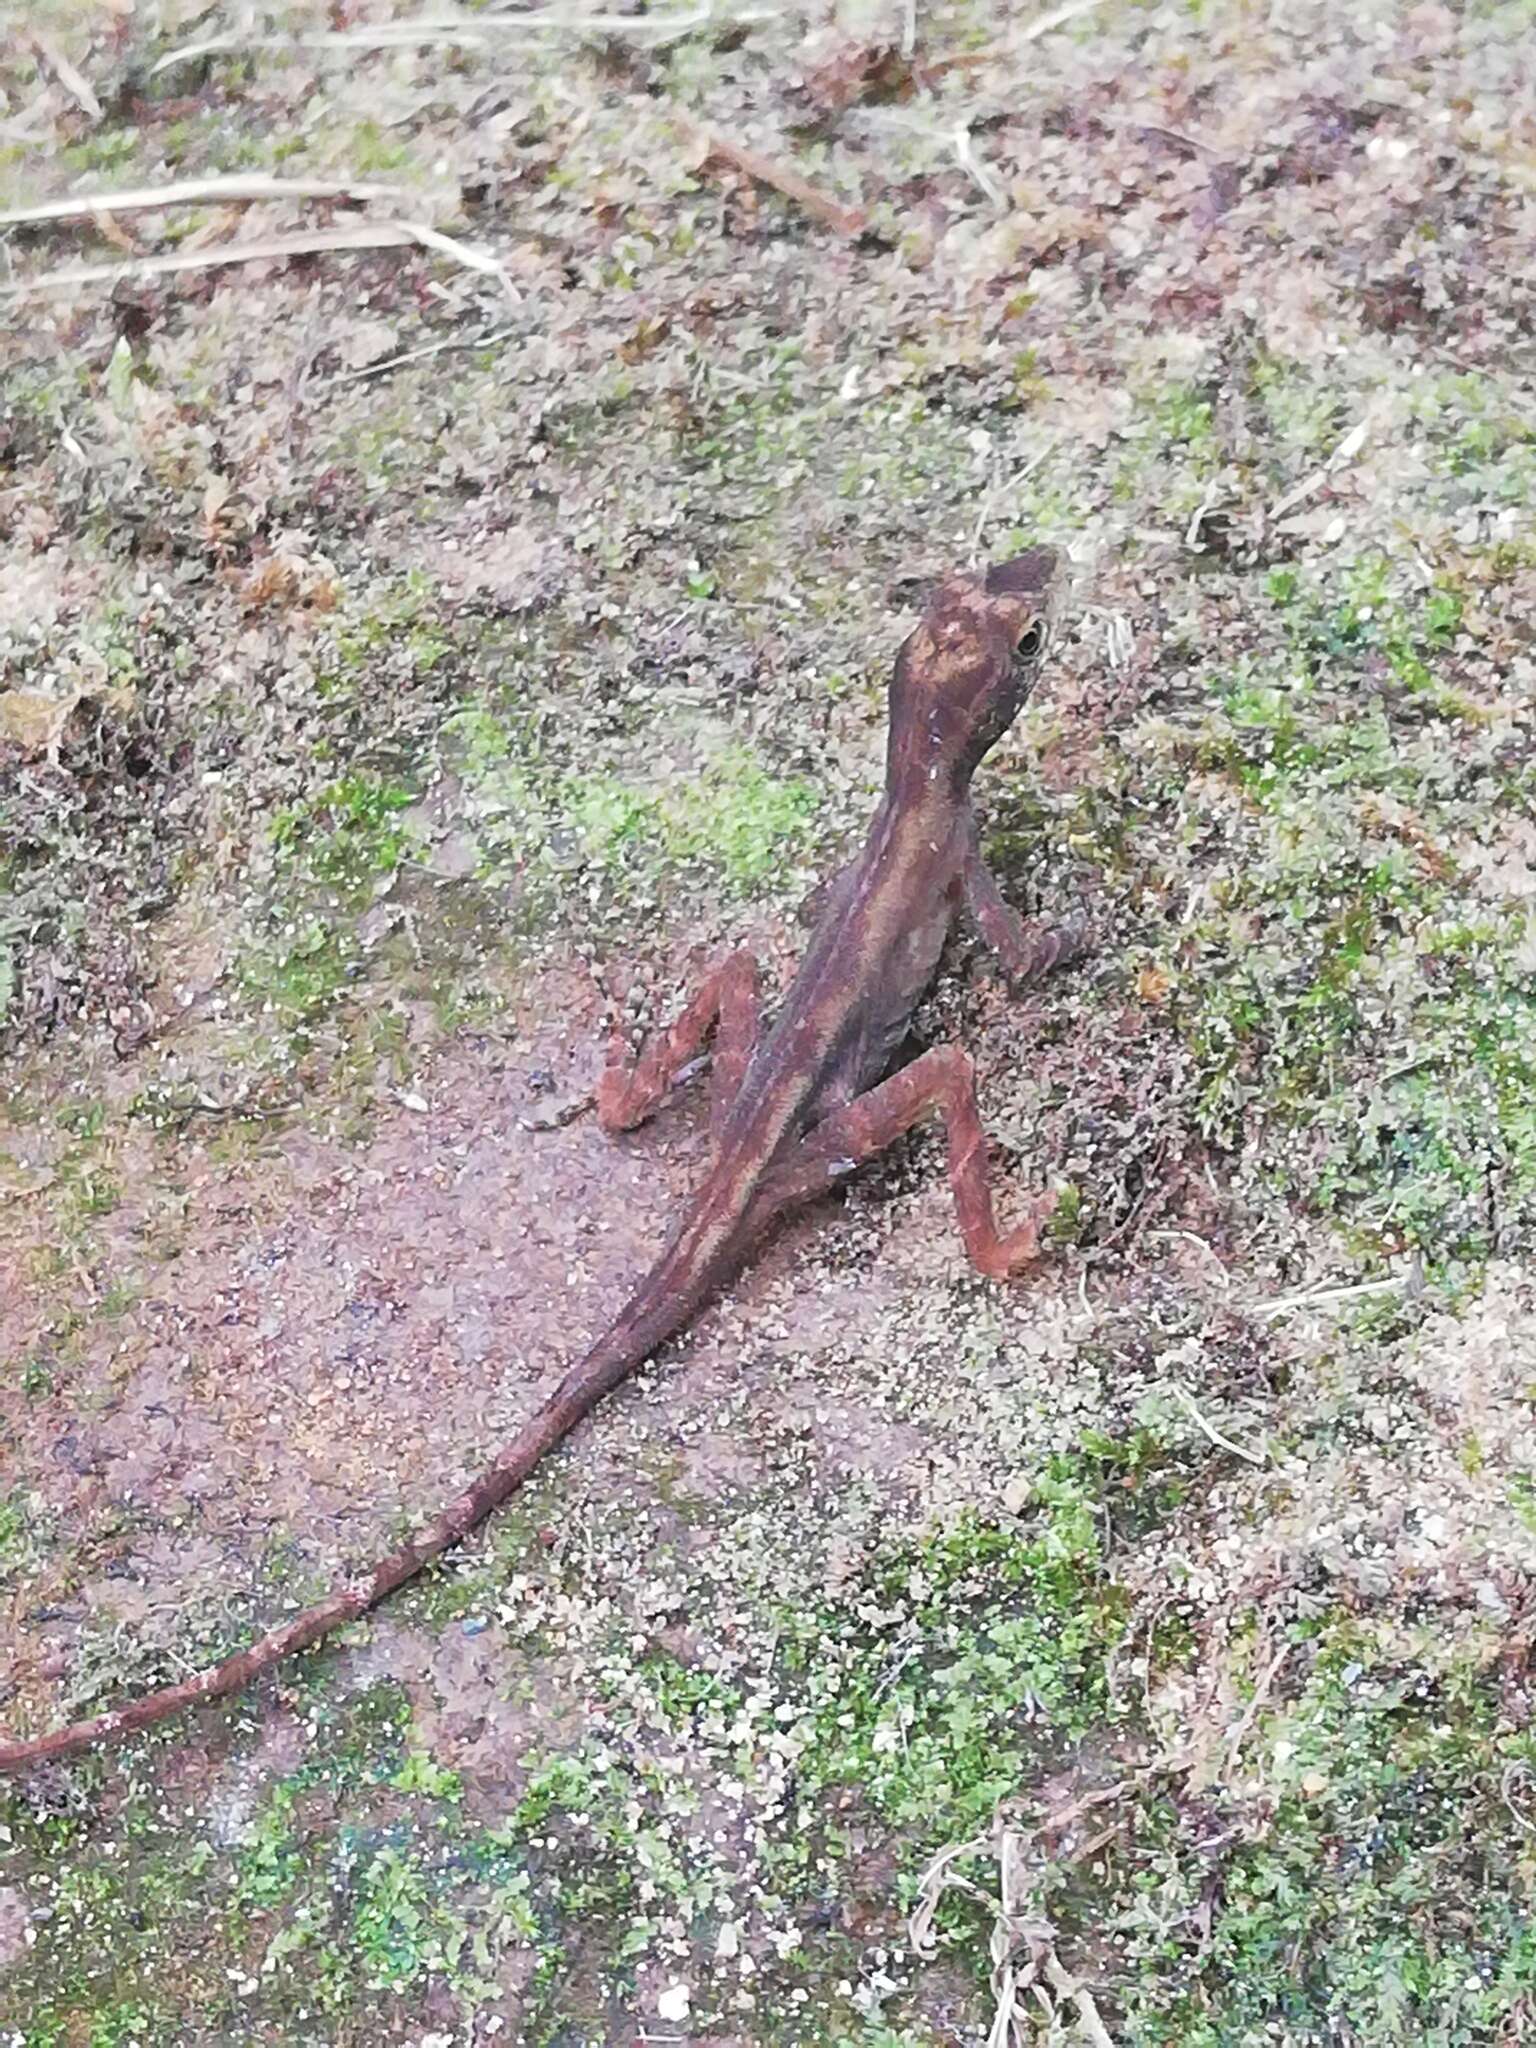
[426,649]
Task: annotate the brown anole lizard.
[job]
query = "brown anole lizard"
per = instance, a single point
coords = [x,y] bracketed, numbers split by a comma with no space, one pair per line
[798,1108]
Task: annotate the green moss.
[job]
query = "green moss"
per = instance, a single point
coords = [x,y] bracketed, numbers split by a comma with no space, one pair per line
[1302,413]
[1476,432]
[345,836]
[1337,928]
[36,1378]
[82,1119]
[372,153]
[269,1864]
[953,1665]
[400,616]
[299,971]
[105,151]
[23,1532]
[1363,1870]
[1382,1883]
[255,1926]
[1522,1498]
[971,1658]
[420,1774]
[733,824]
[333,852]
[1185,415]
[398,1936]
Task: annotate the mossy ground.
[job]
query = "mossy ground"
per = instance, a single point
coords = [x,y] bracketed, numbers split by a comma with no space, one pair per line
[400,676]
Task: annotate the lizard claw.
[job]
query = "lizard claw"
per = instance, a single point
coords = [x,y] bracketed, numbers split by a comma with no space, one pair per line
[612,1093]
[1020,1247]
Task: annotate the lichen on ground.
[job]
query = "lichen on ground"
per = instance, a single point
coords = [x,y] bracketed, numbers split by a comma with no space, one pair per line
[407,673]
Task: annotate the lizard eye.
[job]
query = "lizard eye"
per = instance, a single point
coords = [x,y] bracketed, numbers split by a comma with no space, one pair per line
[1033,642]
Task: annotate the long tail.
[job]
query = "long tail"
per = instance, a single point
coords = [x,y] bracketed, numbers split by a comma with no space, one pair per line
[654,1314]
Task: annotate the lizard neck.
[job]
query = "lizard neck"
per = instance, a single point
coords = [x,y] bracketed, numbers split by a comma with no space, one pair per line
[924,781]
[925,808]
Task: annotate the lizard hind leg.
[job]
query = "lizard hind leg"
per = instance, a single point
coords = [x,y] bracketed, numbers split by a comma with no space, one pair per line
[943,1079]
[729,1005]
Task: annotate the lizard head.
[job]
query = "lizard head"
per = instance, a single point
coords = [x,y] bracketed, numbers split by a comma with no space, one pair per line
[963,674]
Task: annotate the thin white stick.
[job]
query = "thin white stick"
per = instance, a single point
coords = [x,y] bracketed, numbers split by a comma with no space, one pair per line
[383,236]
[1044,23]
[74,82]
[1186,1401]
[194,192]
[469,29]
[387,234]
[1251,1712]
[415,355]
[1341,457]
[979,173]
[463,253]
[1327,1297]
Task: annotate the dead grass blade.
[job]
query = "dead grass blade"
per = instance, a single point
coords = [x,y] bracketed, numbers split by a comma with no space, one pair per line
[1186,1401]
[470,30]
[939,1878]
[1029,1980]
[1057,18]
[389,234]
[1341,458]
[74,82]
[231,191]
[1331,1297]
[1517,1778]
[453,343]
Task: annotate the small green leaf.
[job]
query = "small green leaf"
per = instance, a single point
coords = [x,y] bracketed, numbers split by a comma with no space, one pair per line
[120,375]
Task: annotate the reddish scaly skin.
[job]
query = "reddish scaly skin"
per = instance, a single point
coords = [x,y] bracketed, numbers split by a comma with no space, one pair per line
[798,1108]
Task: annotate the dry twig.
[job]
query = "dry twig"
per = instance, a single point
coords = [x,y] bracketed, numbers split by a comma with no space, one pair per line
[471,30]
[981,175]
[1251,1712]
[415,355]
[1342,456]
[74,82]
[389,234]
[1329,1297]
[1186,1401]
[1057,18]
[843,220]
[1023,1942]
[231,191]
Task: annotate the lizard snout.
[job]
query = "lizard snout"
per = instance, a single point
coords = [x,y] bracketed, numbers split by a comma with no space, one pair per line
[1028,575]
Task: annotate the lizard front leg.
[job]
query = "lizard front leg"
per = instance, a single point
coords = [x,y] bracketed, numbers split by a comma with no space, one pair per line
[943,1079]
[729,1004]
[1027,947]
